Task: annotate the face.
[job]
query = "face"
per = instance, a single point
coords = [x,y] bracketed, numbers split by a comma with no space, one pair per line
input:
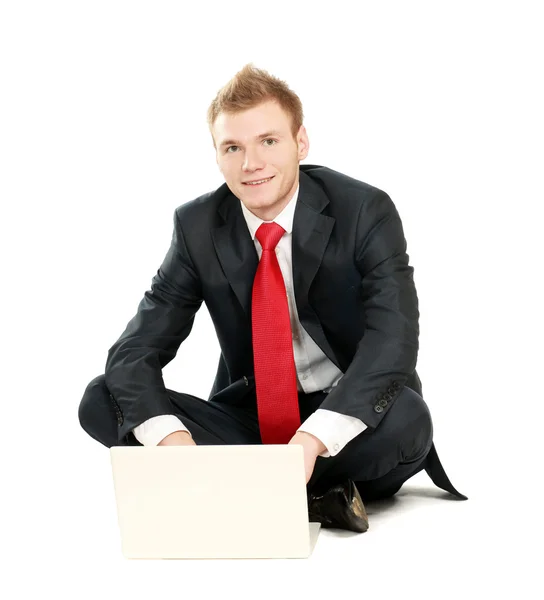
[258,144]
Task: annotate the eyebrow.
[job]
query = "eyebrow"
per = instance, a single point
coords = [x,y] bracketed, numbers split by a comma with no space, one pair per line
[259,137]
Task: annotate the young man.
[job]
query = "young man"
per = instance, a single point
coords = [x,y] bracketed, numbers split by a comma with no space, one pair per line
[305,274]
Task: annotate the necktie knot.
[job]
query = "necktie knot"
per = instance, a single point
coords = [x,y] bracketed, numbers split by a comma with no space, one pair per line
[269,234]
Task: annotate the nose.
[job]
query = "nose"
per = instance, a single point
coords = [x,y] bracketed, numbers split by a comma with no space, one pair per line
[252,161]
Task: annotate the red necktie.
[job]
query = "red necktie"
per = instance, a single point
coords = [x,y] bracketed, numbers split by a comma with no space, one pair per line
[275,375]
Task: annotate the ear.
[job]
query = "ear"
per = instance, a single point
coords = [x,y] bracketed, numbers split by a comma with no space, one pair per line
[303,143]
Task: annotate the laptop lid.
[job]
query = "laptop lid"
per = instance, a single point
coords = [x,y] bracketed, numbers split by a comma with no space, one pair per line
[212,501]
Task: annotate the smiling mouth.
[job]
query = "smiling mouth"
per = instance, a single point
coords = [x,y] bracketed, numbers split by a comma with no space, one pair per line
[258,182]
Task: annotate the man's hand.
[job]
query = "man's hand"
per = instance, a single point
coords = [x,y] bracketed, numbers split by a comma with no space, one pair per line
[178,438]
[312,446]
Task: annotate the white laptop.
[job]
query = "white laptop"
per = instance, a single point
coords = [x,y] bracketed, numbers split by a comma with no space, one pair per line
[216,501]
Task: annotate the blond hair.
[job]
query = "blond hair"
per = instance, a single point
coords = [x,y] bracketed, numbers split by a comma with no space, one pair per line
[250,87]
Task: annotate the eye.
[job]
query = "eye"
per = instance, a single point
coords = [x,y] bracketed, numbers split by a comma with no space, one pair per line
[270,140]
[228,149]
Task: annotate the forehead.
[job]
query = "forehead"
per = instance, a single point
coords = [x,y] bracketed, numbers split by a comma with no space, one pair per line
[252,123]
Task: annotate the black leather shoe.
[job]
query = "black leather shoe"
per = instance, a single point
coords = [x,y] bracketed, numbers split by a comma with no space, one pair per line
[339,507]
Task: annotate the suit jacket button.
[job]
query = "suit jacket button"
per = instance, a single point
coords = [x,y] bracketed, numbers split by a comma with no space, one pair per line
[396,385]
[245,380]
[378,408]
[120,419]
[383,403]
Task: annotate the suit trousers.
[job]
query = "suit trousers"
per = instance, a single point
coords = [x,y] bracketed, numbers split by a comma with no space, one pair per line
[378,461]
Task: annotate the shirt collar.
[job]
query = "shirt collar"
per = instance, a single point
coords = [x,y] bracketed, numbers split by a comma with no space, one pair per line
[284,219]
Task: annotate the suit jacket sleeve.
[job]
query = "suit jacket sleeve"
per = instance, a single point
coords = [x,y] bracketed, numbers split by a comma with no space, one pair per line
[164,318]
[386,354]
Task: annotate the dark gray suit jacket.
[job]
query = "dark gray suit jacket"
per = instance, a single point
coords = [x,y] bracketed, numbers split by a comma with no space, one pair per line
[353,286]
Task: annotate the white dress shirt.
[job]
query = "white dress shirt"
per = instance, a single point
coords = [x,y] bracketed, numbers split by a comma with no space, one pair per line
[315,371]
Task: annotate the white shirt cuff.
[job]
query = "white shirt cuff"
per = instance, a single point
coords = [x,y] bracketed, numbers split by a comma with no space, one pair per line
[333,429]
[154,430]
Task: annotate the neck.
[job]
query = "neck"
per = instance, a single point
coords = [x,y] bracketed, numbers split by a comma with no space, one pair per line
[269,214]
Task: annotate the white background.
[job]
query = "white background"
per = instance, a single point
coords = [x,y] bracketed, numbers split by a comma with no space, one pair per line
[103,133]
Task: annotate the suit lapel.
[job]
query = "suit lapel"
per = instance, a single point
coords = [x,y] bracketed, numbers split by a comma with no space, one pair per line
[236,251]
[311,233]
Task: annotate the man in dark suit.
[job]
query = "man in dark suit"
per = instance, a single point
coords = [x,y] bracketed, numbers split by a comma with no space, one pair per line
[305,275]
